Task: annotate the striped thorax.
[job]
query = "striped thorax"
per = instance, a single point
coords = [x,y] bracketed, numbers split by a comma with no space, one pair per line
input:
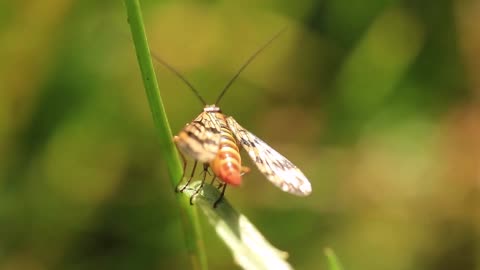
[208,139]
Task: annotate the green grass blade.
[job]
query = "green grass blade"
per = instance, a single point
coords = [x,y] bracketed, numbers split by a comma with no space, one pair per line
[249,248]
[189,214]
[333,263]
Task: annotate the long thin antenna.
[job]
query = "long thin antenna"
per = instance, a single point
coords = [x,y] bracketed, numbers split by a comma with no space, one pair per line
[247,63]
[172,69]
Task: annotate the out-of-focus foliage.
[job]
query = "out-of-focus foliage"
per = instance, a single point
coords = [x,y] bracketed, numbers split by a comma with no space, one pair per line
[376,101]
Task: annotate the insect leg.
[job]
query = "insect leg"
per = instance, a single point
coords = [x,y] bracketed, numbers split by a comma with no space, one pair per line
[190,178]
[205,171]
[213,179]
[220,183]
[221,196]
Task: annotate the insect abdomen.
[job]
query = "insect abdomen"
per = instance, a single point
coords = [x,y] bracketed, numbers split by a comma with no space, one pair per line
[227,163]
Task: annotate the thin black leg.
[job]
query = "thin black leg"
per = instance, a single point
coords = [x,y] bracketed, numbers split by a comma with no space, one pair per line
[221,196]
[213,179]
[205,170]
[191,176]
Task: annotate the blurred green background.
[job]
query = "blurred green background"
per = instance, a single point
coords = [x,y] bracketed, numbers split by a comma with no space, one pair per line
[376,101]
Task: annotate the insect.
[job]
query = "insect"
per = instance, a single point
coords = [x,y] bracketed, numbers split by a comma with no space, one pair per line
[214,140]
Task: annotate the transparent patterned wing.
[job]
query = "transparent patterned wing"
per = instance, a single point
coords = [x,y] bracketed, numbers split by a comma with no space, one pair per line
[200,139]
[279,170]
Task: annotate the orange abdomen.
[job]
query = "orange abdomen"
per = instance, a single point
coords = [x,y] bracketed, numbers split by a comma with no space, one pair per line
[227,163]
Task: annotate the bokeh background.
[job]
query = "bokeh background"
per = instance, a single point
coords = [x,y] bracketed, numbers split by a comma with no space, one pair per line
[377,101]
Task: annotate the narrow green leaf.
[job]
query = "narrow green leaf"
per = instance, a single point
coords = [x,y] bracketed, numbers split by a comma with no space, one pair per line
[249,248]
[189,216]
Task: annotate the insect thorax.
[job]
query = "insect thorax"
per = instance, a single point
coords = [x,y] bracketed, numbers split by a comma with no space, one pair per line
[212,108]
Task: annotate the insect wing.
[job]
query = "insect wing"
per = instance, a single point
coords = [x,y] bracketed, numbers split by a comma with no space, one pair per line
[200,139]
[279,170]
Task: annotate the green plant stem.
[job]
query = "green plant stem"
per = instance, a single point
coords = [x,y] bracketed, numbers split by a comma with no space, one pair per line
[189,215]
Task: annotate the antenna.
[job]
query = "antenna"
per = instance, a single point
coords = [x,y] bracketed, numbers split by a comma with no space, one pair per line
[247,63]
[172,69]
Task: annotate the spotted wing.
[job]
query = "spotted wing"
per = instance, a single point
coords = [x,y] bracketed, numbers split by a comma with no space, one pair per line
[200,139]
[279,170]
